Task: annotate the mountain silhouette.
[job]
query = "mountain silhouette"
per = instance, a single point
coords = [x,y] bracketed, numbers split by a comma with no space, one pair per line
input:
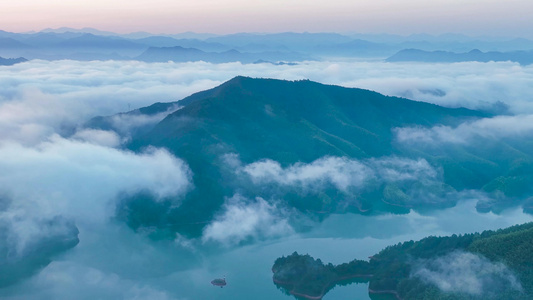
[522,57]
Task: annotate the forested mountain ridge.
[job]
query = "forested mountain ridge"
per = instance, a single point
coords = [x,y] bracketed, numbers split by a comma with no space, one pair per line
[292,122]
[252,137]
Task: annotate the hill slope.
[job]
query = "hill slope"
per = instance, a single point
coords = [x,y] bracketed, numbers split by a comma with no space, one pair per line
[222,132]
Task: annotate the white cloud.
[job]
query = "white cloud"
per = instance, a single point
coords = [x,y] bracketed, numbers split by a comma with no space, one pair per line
[20,235]
[243,219]
[341,172]
[464,272]
[495,128]
[56,183]
[40,97]
[76,178]
[126,124]
[470,84]
[98,137]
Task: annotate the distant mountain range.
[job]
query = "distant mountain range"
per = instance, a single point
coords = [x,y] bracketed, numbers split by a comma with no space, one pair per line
[180,54]
[294,123]
[11,61]
[522,57]
[92,44]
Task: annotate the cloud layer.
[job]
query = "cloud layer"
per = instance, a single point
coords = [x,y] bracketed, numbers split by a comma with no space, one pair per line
[63,92]
[76,178]
[518,126]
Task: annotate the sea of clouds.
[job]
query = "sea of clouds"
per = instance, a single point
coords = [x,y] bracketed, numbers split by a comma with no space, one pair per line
[50,167]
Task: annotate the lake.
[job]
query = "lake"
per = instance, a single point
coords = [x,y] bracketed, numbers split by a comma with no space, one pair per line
[112,259]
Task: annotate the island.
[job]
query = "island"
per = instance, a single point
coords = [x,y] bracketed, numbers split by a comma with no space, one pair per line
[308,278]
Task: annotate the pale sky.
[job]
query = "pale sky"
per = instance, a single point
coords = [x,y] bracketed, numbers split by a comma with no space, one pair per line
[473,17]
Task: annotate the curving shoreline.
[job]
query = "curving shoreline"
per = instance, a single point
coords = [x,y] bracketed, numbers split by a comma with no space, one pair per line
[390,292]
[326,287]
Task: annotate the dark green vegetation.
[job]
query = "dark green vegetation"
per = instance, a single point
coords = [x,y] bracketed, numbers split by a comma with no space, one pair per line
[488,265]
[301,122]
[305,277]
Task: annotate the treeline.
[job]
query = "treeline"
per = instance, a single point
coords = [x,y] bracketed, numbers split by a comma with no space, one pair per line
[391,271]
[306,277]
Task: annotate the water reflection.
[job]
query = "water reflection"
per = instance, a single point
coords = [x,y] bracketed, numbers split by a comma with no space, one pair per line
[120,258]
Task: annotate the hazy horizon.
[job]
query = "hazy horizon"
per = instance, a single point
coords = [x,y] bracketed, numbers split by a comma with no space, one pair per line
[472,17]
[97,31]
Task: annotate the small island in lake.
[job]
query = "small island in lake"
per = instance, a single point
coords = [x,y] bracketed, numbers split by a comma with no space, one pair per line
[489,265]
[306,277]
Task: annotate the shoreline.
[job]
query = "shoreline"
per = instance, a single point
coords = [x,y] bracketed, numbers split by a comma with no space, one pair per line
[390,292]
[332,283]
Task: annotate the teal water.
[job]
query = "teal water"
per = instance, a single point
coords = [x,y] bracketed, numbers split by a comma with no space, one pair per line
[338,239]
[112,261]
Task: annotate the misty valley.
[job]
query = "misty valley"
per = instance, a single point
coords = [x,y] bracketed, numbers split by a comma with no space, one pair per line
[265,166]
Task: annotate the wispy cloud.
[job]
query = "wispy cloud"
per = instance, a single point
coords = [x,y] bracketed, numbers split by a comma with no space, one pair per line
[65,92]
[244,219]
[341,172]
[492,128]
[464,272]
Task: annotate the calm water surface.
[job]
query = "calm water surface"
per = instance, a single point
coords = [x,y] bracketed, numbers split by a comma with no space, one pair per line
[117,259]
[340,238]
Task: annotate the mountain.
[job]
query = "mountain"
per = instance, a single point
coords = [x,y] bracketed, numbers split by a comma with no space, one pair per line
[294,123]
[252,137]
[94,41]
[291,40]
[10,47]
[11,43]
[489,265]
[164,41]
[45,39]
[522,57]
[355,48]
[83,30]
[346,115]
[92,44]
[181,54]
[123,123]
[11,61]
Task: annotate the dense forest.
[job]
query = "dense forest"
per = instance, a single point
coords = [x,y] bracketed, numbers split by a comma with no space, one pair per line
[488,265]
[248,124]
